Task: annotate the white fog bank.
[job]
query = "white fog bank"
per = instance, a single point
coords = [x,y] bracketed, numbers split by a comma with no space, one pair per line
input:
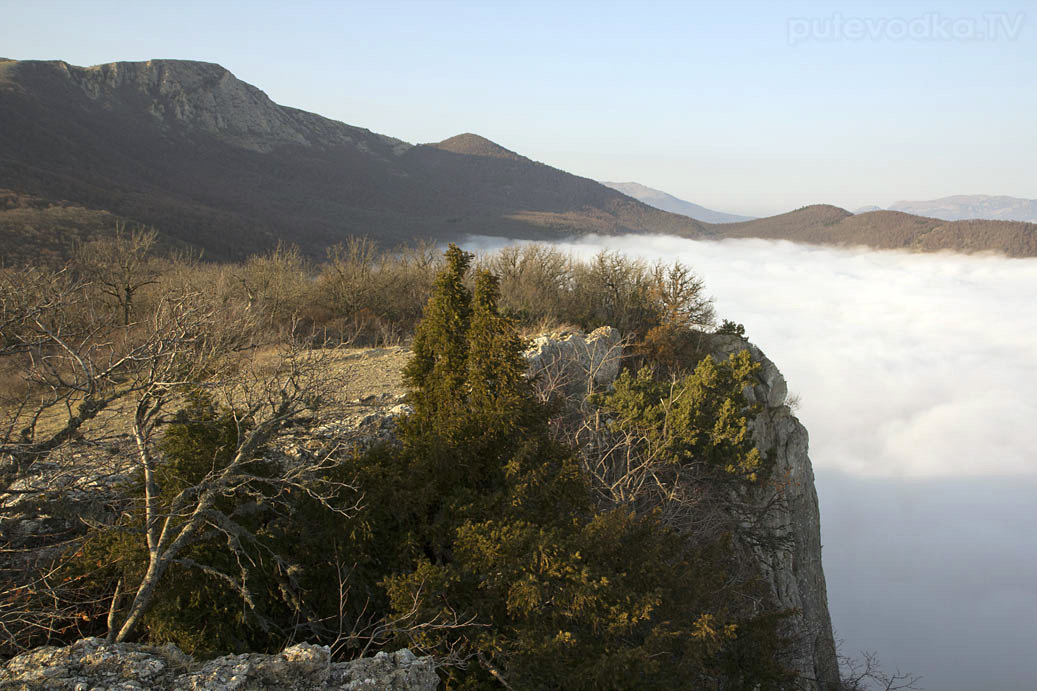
[917,376]
[906,365]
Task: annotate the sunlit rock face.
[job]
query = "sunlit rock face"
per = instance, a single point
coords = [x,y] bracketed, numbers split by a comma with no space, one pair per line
[794,571]
[574,361]
[202,97]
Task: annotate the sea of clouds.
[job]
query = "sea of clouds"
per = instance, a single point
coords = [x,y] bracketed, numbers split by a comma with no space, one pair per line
[917,379]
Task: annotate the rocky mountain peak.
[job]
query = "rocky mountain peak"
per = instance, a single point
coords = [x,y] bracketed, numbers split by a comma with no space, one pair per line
[192,97]
[201,96]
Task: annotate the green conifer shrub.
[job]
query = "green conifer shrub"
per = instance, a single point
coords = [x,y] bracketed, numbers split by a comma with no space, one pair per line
[541,588]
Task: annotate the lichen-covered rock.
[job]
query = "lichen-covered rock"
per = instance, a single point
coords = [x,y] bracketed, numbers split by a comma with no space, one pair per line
[398,671]
[573,361]
[91,663]
[95,665]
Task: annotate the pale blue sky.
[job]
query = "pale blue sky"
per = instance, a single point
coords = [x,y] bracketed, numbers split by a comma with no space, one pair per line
[710,101]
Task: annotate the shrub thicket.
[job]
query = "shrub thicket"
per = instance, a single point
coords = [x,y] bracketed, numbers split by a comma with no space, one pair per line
[362,294]
[481,538]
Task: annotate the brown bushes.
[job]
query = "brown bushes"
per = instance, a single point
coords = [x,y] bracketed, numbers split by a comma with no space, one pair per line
[364,295]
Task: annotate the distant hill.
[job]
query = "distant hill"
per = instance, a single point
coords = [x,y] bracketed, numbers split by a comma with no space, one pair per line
[667,202]
[44,232]
[212,161]
[830,225]
[973,206]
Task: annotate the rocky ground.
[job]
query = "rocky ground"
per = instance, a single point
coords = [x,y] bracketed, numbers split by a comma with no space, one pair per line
[91,664]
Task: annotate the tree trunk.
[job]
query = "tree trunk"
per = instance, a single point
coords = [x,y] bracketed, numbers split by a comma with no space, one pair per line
[142,600]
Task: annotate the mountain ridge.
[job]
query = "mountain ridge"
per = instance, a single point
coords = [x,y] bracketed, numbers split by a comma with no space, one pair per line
[214,164]
[668,202]
[961,207]
[212,161]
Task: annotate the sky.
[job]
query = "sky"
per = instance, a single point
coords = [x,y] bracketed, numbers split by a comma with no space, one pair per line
[915,375]
[752,108]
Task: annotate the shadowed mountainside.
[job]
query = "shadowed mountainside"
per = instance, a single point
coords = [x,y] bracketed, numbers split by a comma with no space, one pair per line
[212,161]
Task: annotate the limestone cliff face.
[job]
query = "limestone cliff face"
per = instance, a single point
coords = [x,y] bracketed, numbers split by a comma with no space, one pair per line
[794,571]
[204,97]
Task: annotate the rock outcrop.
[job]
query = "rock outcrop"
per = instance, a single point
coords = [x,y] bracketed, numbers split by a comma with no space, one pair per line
[94,665]
[205,97]
[794,570]
[574,361]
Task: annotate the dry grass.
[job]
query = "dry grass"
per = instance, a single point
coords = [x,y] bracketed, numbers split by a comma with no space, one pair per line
[355,375]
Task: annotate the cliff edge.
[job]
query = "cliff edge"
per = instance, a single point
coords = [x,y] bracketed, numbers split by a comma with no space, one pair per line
[794,571]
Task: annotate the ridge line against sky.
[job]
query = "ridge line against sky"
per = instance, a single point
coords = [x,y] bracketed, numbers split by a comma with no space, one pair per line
[750,109]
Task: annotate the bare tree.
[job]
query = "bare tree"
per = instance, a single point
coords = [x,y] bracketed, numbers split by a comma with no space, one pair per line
[68,360]
[78,372]
[274,285]
[866,674]
[120,266]
[263,403]
[73,367]
[681,294]
[356,635]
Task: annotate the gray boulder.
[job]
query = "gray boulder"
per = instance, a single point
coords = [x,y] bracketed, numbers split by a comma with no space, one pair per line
[576,362]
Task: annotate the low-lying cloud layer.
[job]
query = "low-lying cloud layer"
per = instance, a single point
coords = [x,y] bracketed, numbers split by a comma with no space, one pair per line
[917,376]
[907,365]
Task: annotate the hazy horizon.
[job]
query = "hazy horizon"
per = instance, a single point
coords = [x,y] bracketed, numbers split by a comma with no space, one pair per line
[750,109]
[914,373]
